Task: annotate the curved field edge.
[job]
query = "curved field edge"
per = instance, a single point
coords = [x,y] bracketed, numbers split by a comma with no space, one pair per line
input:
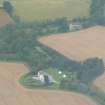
[94,92]
[100,82]
[13,94]
[78,45]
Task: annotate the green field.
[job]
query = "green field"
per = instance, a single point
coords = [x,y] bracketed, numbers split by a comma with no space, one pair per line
[31,10]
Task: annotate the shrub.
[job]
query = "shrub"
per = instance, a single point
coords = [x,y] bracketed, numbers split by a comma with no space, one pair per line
[92,68]
[97,11]
[8,7]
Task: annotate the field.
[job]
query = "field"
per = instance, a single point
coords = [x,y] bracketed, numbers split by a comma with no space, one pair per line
[100,82]
[11,93]
[79,45]
[31,10]
[4,18]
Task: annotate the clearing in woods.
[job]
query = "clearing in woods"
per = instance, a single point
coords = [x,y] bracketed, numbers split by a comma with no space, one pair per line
[11,93]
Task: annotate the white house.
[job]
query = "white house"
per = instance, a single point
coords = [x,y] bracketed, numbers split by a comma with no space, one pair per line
[75,26]
[41,76]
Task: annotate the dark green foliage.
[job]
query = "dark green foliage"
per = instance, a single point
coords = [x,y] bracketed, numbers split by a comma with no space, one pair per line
[74,86]
[92,68]
[89,71]
[87,89]
[8,7]
[97,8]
[50,27]
[38,60]
[20,40]
[46,80]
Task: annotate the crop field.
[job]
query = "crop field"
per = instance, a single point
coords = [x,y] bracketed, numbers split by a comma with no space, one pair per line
[78,45]
[11,93]
[4,18]
[31,10]
[100,82]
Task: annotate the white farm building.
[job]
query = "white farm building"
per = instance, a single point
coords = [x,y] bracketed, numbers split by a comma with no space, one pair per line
[75,26]
[41,76]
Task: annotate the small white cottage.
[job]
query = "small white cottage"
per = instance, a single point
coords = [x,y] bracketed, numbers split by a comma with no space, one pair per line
[41,76]
[75,26]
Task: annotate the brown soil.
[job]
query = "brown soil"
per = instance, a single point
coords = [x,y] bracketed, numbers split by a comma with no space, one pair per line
[78,45]
[4,18]
[100,82]
[11,93]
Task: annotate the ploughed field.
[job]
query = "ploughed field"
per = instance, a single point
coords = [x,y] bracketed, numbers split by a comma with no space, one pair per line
[4,18]
[11,93]
[78,45]
[100,82]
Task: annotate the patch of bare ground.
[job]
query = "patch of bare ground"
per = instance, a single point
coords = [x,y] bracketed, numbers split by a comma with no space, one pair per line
[4,18]
[100,82]
[11,93]
[78,45]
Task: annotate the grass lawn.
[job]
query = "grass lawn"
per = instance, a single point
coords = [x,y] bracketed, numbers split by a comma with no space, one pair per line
[30,10]
[54,74]
[28,82]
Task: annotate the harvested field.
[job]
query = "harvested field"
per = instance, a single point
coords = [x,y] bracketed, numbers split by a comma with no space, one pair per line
[4,18]
[100,82]
[11,93]
[79,45]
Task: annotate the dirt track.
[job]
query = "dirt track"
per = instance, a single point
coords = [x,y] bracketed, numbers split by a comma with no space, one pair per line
[4,18]
[78,45]
[11,93]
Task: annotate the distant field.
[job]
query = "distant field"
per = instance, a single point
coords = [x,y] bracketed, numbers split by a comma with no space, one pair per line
[31,10]
[79,45]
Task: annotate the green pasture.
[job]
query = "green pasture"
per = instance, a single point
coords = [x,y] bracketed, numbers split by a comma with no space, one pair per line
[31,10]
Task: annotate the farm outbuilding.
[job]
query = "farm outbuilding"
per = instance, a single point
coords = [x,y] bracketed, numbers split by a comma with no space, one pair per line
[41,76]
[75,26]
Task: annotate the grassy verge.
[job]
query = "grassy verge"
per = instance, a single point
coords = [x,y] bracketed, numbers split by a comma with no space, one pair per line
[92,91]
[27,81]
